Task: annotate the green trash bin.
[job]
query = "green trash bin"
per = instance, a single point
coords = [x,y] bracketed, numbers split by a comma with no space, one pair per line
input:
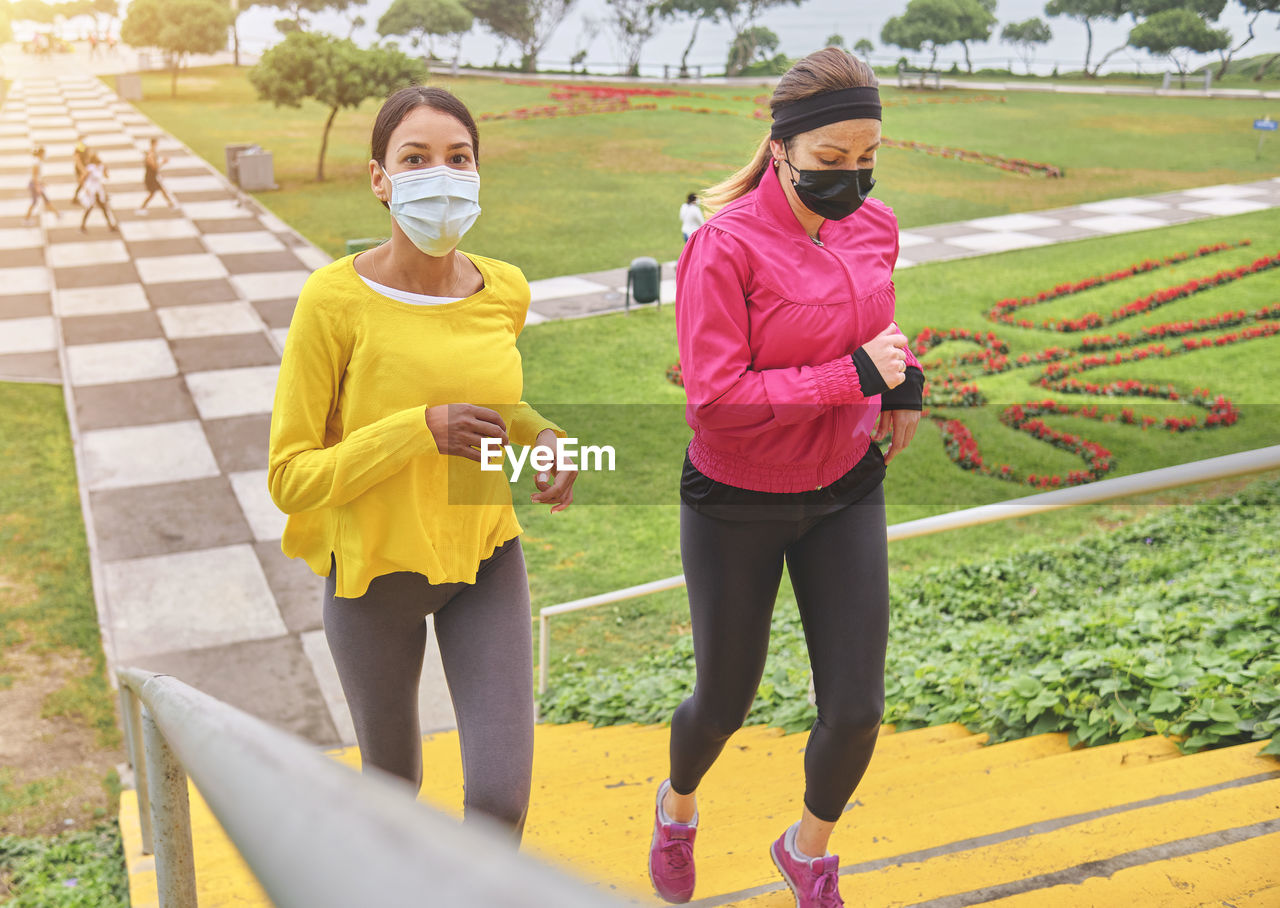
[367,242]
[644,279]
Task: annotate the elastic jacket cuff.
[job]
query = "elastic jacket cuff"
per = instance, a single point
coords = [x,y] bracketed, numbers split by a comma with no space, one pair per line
[907,396]
[869,376]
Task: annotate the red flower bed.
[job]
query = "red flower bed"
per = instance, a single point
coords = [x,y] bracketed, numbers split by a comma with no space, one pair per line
[1056,371]
[928,338]
[952,394]
[1002,311]
[1025,418]
[675,374]
[1013,165]
[1162,297]
[1178,329]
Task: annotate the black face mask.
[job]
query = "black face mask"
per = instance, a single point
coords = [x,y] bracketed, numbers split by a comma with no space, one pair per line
[832,194]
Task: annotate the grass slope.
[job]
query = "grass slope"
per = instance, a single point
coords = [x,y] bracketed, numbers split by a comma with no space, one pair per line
[579,194]
[604,380]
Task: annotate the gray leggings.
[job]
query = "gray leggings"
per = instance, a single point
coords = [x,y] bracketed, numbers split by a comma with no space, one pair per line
[839,567]
[486,646]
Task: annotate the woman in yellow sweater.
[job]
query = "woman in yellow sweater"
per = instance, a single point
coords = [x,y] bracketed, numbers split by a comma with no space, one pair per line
[400,362]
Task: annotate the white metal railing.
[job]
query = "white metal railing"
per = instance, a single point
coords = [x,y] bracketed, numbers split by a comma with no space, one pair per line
[314,833]
[1225,467]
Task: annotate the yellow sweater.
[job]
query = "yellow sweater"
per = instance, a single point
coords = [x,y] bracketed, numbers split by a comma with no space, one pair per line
[352,460]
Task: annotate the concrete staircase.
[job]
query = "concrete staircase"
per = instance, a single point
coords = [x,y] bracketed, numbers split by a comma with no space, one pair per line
[941,820]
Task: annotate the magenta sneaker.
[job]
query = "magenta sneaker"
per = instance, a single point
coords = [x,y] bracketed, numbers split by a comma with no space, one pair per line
[815,883]
[671,854]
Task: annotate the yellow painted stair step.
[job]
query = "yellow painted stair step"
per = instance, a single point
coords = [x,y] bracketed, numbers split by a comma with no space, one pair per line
[1095,840]
[1226,876]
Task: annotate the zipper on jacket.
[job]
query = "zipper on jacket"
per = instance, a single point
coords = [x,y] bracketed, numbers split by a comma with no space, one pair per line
[853,299]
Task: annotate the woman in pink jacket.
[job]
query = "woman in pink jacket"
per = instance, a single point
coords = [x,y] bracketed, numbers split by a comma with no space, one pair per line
[793,365]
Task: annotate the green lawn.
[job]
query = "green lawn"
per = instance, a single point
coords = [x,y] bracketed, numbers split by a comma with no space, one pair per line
[52,674]
[577,194]
[604,380]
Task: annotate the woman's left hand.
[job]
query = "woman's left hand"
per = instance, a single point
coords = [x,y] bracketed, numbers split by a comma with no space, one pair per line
[555,486]
[902,423]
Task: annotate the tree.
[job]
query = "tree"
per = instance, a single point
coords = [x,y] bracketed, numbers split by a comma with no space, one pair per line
[835,39]
[1025,36]
[699,11]
[751,46]
[6,24]
[32,11]
[863,48]
[930,24]
[528,23]
[333,71]
[1086,12]
[1138,10]
[633,23]
[1173,30]
[1253,9]
[588,29]
[177,27]
[976,21]
[296,12]
[742,16]
[426,19]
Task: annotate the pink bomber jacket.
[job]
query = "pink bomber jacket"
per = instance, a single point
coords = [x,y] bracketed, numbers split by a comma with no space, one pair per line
[767,321]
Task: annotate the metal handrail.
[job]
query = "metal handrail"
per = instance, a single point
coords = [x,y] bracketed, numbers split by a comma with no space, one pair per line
[314,833]
[1225,467]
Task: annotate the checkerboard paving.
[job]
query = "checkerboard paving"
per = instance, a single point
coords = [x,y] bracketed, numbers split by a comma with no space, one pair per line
[168,334]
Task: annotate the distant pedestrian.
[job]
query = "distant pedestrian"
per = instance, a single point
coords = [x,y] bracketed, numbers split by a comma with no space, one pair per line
[153,162]
[691,216]
[92,191]
[80,159]
[36,185]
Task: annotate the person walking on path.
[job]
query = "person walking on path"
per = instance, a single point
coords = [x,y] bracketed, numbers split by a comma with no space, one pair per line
[793,365]
[400,363]
[80,160]
[152,163]
[92,191]
[691,216]
[36,186]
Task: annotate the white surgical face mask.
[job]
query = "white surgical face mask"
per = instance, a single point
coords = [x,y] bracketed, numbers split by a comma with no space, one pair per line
[435,206]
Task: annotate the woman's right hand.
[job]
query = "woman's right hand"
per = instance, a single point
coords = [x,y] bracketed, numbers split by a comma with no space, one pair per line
[888,350]
[459,429]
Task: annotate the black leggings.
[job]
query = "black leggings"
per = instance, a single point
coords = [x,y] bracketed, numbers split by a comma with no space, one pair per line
[840,573]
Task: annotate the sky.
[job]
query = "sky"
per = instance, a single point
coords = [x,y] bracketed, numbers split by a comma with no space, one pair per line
[800,29]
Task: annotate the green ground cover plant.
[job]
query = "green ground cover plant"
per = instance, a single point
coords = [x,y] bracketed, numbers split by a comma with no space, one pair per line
[83,869]
[1168,626]
[604,188]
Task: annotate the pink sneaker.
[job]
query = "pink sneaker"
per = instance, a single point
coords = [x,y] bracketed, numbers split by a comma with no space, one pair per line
[671,854]
[815,883]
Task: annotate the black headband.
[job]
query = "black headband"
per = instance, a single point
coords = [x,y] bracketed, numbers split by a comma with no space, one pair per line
[859,103]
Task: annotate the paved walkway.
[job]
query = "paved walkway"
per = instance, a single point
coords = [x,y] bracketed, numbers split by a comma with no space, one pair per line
[167,337]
